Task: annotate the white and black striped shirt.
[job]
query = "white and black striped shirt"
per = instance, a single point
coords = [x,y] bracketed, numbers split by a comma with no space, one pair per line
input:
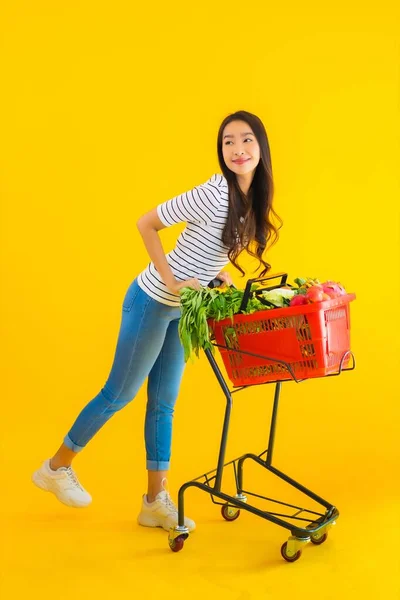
[199,251]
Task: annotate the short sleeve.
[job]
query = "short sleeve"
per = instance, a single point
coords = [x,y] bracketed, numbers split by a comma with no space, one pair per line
[198,205]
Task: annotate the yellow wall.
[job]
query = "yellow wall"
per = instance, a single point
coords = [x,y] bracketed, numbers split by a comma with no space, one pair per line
[108,111]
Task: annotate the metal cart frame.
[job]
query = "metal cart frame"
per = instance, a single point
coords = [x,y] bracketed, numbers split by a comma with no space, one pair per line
[317,526]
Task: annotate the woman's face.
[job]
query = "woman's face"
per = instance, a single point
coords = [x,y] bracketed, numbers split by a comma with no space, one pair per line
[239,142]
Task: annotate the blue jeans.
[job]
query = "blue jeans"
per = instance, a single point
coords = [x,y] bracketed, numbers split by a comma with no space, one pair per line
[148,346]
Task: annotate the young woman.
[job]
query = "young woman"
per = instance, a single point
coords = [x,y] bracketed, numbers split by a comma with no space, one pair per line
[225,215]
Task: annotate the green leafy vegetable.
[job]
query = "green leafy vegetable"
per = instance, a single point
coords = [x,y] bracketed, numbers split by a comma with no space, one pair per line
[279,297]
[198,306]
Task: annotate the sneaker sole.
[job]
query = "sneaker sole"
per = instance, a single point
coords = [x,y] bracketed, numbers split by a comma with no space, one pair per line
[41,483]
[147,521]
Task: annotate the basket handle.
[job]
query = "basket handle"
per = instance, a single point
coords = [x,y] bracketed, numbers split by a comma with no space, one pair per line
[250,282]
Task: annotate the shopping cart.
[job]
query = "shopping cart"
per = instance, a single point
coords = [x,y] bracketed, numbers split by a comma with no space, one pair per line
[273,346]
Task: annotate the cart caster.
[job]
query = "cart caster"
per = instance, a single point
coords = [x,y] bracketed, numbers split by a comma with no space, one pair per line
[292,549]
[230,513]
[177,544]
[289,558]
[318,539]
[320,536]
[177,537]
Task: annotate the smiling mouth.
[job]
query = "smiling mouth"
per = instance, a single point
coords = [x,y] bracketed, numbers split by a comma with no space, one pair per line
[240,161]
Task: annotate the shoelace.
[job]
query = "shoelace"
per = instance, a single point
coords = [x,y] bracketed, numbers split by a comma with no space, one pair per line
[166,498]
[169,503]
[73,478]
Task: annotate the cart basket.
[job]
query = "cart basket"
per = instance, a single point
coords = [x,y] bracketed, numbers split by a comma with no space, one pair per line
[312,339]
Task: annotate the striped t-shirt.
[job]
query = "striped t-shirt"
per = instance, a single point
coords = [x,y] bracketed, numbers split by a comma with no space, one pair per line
[199,251]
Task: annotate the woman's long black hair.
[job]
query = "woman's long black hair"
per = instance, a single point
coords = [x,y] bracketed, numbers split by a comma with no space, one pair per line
[257,228]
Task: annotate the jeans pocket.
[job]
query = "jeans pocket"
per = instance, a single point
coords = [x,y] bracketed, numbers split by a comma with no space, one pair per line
[130,296]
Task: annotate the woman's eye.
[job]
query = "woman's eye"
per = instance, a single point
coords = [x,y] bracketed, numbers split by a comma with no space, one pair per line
[244,140]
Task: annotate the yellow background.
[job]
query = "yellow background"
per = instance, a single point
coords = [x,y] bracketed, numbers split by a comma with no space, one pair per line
[108,110]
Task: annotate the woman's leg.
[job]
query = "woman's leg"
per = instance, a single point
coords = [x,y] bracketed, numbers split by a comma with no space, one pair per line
[62,458]
[142,333]
[154,483]
[162,390]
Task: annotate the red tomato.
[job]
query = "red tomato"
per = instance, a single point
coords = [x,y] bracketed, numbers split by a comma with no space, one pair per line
[298,300]
[314,294]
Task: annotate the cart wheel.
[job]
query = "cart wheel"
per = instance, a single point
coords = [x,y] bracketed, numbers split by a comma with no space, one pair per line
[177,544]
[230,513]
[290,558]
[318,541]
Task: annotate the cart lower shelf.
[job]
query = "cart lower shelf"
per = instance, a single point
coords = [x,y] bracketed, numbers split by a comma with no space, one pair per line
[314,528]
[308,526]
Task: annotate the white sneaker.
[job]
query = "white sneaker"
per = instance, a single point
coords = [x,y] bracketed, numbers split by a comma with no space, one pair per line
[63,483]
[161,513]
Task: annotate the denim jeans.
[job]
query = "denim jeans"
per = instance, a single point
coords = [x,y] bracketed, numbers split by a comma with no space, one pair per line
[148,346]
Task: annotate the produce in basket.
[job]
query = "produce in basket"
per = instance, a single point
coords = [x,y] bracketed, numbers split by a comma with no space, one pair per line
[199,306]
[280,297]
[311,290]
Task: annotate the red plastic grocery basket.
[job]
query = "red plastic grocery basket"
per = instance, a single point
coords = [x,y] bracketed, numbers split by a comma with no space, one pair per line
[313,339]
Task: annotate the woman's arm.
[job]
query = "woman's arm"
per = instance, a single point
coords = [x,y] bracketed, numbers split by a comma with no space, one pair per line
[149,225]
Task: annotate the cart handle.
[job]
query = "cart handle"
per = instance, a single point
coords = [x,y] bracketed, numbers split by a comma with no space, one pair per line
[215,283]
